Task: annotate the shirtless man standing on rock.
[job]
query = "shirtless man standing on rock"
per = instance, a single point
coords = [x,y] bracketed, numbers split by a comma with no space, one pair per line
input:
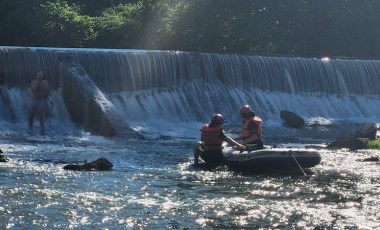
[40,91]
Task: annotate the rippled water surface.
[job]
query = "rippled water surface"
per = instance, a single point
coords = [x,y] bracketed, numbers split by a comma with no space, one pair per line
[153,185]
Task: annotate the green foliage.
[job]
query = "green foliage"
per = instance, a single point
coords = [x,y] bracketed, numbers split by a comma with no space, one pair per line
[374,144]
[119,25]
[280,27]
[64,24]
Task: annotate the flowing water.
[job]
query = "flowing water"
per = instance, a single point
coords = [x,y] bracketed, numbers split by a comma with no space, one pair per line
[153,184]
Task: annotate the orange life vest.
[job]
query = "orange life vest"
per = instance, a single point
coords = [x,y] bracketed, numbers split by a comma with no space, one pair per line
[247,133]
[211,137]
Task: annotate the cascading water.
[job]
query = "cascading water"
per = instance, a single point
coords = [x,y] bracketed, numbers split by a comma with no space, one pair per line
[190,87]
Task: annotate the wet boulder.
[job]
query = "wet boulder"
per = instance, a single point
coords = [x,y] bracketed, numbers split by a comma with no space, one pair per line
[371,159]
[348,143]
[366,131]
[2,157]
[101,164]
[356,139]
[292,119]
[87,104]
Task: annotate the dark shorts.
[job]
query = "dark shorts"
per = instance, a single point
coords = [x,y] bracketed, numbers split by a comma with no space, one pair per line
[212,157]
[37,106]
[255,145]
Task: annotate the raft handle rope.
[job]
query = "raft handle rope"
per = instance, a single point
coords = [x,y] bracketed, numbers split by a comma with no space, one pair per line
[298,163]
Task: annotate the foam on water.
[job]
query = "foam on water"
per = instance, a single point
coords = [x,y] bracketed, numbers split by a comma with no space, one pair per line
[155,128]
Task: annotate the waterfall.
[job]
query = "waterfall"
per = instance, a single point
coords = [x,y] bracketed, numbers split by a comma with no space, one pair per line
[182,86]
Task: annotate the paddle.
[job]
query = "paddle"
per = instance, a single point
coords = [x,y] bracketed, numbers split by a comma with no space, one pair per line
[298,164]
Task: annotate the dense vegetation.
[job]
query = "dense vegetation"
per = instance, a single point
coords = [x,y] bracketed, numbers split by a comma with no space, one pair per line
[373,144]
[279,27]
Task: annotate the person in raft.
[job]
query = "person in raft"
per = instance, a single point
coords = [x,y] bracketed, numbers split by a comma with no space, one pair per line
[252,131]
[212,137]
[39,92]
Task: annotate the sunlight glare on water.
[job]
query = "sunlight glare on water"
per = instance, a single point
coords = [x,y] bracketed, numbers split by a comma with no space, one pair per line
[153,184]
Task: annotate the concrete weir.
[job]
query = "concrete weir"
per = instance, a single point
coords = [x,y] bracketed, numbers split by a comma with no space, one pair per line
[87,104]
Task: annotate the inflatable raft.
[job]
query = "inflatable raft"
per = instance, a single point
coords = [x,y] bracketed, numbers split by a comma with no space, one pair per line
[271,159]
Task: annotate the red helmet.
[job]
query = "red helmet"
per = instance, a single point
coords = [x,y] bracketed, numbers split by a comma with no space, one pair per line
[217,118]
[245,109]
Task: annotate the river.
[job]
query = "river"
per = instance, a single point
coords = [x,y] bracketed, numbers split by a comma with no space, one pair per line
[153,185]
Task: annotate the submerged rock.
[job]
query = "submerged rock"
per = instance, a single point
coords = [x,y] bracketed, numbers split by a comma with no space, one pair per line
[370,159]
[366,131]
[292,119]
[101,164]
[349,143]
[357,139]
[2,157]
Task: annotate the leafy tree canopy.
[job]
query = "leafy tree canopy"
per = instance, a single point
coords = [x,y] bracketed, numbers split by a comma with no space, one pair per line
[279,27]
